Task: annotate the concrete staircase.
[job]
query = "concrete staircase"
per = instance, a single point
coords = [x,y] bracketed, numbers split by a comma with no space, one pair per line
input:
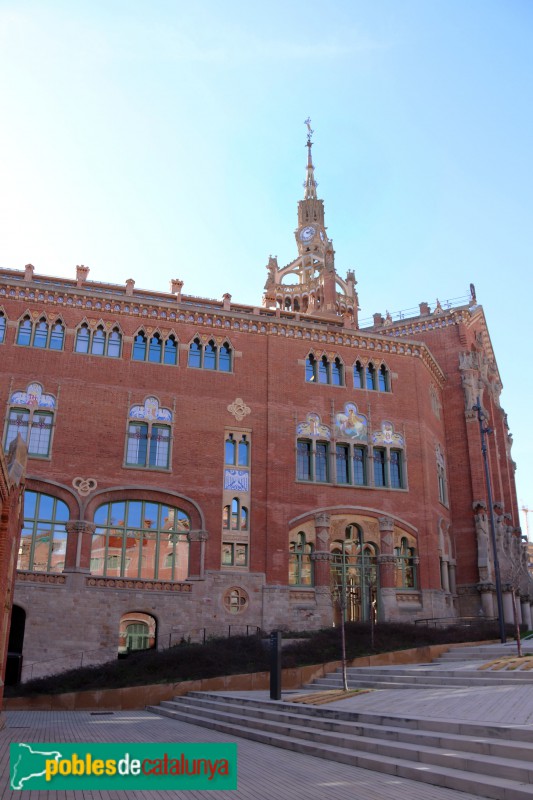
[493,761]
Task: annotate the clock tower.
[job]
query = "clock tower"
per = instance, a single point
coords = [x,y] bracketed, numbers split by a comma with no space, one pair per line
[310,284]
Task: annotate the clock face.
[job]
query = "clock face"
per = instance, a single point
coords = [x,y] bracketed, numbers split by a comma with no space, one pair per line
[306,234]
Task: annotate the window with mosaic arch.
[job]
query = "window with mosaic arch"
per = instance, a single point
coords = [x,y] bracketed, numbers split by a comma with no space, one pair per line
[98,342]
[301,571]
[31,414]
[406,573]
[43,540]
[148,438]
[140,539]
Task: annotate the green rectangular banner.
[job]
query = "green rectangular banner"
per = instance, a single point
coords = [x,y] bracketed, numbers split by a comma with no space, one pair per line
[62,766]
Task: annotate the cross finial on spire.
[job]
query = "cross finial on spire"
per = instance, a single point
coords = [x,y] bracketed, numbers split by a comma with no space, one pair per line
[310,183]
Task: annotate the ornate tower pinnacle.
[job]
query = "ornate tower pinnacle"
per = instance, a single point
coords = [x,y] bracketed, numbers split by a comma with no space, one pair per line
[310,183]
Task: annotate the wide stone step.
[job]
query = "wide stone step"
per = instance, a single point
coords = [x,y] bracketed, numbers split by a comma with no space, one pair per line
[335,682]
[444,767]
[464,677]
[480,745]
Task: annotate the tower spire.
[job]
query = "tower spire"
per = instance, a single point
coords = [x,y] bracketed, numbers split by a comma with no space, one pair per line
[310,183]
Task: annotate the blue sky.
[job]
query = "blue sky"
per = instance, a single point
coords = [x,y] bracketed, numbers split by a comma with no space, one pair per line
[166,140]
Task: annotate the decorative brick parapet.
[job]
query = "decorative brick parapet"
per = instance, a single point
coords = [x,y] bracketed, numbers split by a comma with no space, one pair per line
[145,586]
[41,577]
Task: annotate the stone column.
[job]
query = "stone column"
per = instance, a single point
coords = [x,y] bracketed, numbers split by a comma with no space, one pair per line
[197,540]
[451,575]
[487,599]
[507,591]
[322,556]
[386,560]
[444,576]
[78,551]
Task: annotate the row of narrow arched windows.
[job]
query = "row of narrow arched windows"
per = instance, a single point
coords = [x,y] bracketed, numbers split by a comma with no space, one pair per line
[98,342]
[331,371]
[155,349]
[210,356]
[41,334]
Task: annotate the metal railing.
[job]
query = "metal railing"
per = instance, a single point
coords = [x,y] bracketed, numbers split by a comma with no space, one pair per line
[409,313]
[446,622]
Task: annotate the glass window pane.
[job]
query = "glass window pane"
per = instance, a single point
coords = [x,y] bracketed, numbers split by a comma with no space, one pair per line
[379,467]
[40,338]
[24,332]
[229,451]
[134,514]
[321,461]
[82,340]
[310,369]
[118,514]
[18,423]
[56,337]
[137,443]
[243,452]
[336,373]
[59,548]
[30,500]
[303,461]
[98,344]
[101,514]
[359,465]
[224,359]
[323,370]
[171,351]
[195,354]
[210,356]
[358,376]
[241,555]
[154,350]
[395,469]
[370,377]
[184,523]
[343,472]
[45,508]
[40,434]
[2,327]
[382,379]
[23,561]
[227,555]
[159,446]
[139,348]
[113,344]
[62,513]
[150,515]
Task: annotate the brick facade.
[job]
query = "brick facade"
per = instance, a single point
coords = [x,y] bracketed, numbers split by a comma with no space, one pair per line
[229,442]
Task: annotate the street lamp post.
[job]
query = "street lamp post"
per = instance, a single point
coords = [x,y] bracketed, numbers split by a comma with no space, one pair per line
[484,431]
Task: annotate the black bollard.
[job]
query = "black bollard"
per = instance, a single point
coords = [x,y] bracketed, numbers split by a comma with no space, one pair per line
[275,665]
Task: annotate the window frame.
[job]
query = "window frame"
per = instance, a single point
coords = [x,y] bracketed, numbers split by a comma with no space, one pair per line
[199,357]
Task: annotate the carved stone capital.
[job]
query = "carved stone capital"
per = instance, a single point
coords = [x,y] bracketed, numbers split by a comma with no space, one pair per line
[198,536]
[387,559]
[321,555]
[322,520]
[386,524]
[486,587]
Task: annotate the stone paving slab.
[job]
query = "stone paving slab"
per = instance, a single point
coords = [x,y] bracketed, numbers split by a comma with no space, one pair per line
[265,773]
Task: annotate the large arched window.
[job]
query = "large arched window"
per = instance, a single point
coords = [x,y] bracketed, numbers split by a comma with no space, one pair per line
[139,539]
[44,537]
[354,575]
[31,413]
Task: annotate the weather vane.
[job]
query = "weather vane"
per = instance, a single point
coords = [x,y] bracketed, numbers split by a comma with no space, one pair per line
[309,129]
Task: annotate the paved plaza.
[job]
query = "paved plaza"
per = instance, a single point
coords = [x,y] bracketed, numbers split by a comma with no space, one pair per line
[271,773]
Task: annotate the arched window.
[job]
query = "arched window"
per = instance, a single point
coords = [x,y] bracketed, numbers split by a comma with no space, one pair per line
[114,343]
[370,376]
[155,349]
[406,577]
[149,436]
[195,354]
[44,537]
[134,538]
[139,347]
[383,379]
[324,370]
[57,336]
[40,336]
[2,327]
[98,342]
[224,358]
[441,476]
[34,422]
[171,351]
[230,450]
[210,356]
[244,448]
[358,375]
[310,368]
[300,563]
[337,373]
[354,575]
[82,339]
[312,461]
[24,332]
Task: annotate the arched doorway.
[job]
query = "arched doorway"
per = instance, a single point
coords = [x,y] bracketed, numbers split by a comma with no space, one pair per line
[15,646]
[354,577]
